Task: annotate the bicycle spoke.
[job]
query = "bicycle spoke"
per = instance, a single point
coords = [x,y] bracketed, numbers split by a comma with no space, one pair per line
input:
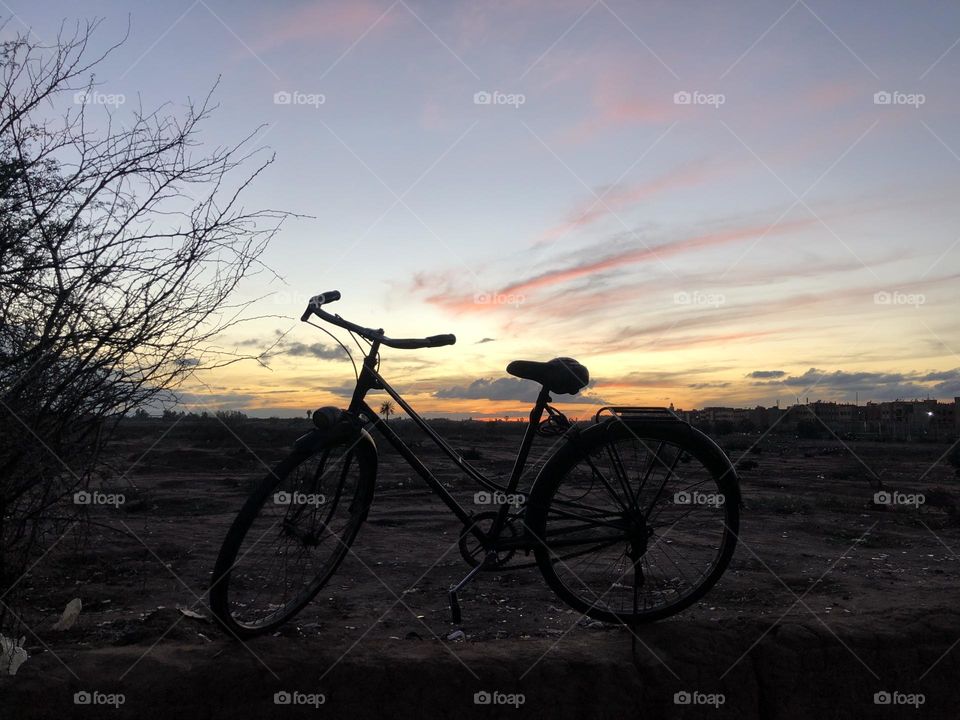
[666,478]
[291,547]
[621,474]
[606,483]
[666,549]
[646,474]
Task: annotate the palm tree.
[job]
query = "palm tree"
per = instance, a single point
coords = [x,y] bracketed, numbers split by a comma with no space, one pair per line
[386,409]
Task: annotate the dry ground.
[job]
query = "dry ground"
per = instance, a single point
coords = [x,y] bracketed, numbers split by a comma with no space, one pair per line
[829,599]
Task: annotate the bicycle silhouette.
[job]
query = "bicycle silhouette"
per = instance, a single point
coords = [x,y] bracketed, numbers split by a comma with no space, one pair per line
[631,519]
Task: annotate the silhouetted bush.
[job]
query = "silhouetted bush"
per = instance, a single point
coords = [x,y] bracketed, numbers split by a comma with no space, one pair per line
[111,288]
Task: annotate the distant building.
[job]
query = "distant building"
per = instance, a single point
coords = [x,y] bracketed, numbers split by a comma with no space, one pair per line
[895,420]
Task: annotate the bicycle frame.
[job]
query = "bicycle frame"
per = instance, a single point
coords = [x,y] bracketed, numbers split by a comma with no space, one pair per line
[370,379]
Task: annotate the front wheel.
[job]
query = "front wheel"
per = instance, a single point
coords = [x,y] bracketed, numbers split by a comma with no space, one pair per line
[292,534]
[632,522]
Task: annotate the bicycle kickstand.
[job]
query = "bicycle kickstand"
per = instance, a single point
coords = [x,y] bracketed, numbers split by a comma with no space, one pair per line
[455,614]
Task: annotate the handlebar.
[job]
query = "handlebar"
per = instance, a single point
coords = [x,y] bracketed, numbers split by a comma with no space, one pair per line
[317,300]
[314,307]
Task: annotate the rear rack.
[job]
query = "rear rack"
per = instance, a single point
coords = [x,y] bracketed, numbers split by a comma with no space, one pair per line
[636,412]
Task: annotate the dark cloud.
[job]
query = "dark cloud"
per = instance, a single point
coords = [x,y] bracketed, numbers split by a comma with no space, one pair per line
[658,378]
[276,345]
[945,376]
[766,374]
[262,341]
[875,385]
[505,389]
[706,385]
[344,390]
[213,400]
[485,340]
[317,350]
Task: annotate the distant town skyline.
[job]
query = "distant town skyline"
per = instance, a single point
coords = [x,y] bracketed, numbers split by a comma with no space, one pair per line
[705,204]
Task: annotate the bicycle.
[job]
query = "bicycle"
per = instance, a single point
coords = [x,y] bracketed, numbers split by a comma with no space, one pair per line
[619,518]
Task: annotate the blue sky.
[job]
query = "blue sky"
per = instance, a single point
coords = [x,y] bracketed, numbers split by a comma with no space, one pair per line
[678,195]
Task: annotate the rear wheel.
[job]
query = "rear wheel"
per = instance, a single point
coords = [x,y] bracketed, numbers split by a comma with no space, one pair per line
[634,522]
[291,535]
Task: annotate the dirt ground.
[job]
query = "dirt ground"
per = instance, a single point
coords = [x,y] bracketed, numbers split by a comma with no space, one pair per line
[829,599]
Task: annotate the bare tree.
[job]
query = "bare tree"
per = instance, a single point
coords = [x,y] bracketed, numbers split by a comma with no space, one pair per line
[120,247]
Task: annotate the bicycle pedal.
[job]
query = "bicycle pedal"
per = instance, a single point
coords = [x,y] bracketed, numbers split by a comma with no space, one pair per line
[455,614]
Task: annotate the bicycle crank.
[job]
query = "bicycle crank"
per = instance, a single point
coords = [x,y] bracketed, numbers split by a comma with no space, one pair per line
[474,553]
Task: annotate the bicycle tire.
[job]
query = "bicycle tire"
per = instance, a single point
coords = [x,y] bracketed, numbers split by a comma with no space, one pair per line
[545,517]
[226,591]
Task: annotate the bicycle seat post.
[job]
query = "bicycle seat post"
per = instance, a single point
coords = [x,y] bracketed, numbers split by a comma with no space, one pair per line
[535,414]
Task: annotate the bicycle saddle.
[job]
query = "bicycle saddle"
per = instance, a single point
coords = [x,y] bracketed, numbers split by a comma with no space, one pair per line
[561,375]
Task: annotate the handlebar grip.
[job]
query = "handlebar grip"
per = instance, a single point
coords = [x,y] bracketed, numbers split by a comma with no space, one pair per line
[317,300]
[441,340]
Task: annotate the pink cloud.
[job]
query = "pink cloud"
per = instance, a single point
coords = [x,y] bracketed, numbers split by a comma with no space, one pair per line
[322,20]
[461,303]
[697,242]
[616,96]
[616,102]
[623,197]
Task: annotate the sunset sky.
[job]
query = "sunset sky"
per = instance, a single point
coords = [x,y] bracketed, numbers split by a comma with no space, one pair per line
[705,203]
